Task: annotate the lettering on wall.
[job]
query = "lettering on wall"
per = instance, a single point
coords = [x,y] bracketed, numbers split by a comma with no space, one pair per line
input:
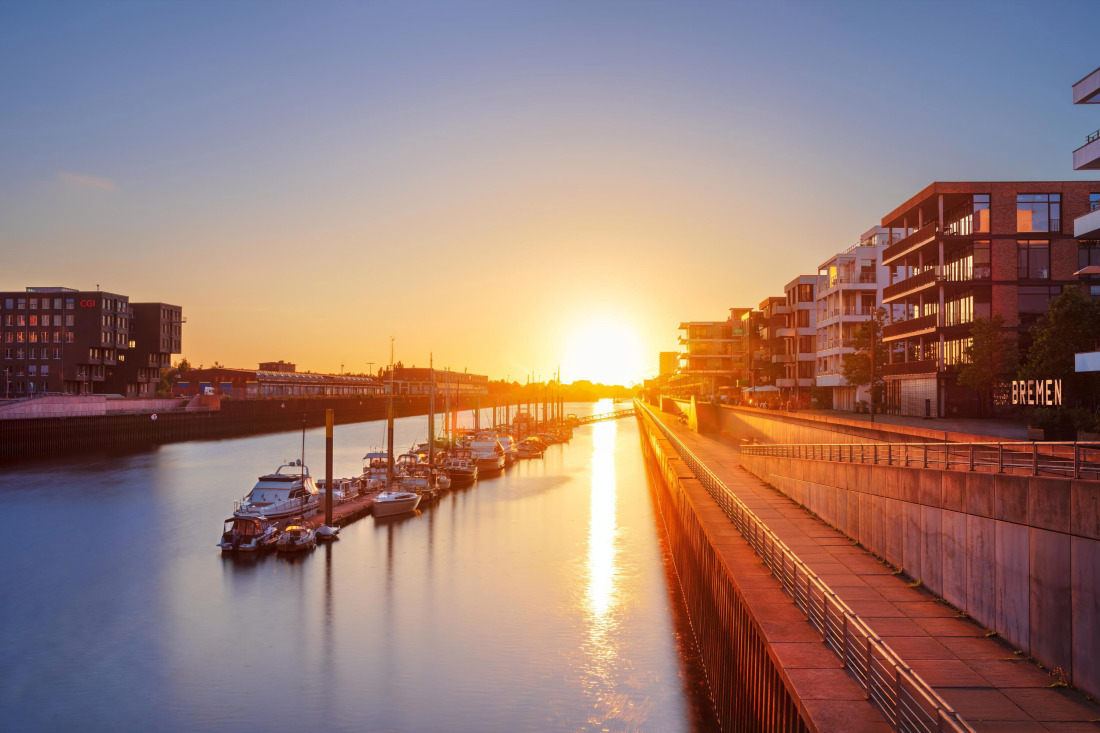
[88,303]
[1046,392]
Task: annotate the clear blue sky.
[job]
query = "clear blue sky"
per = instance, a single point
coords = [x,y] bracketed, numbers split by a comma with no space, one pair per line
[308,178]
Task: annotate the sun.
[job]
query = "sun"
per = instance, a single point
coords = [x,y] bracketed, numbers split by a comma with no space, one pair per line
[605,351]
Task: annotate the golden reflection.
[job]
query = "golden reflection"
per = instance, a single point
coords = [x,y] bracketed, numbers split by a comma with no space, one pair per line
[602,529]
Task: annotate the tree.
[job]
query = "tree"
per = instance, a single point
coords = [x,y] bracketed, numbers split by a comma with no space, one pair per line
[989,359]
[1071,325]
[167,376]
[857,366]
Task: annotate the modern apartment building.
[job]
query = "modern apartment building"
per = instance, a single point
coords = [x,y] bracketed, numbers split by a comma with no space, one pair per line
[61,340]
[715,355]
[667,363]
[799,337]
[772,347]
[849,290]
[960,251]
[1086,227]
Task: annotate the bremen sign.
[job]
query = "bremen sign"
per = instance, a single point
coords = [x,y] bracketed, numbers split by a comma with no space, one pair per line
[1037,391]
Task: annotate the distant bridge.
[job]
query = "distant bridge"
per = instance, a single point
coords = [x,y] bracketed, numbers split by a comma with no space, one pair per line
[603,416]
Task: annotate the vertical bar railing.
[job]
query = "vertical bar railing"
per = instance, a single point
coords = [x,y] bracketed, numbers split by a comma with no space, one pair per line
[919,709]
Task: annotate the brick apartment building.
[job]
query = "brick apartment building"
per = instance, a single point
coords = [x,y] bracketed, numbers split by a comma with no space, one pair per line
[800,338]
[65,341]
[970,250]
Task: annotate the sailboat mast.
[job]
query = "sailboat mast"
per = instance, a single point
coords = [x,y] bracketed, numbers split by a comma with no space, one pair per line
[389,425]
[431,413]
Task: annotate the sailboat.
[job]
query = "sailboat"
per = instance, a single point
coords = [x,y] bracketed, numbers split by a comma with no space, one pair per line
[395,499]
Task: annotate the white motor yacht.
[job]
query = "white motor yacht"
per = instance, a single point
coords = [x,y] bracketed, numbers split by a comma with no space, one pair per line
[489,455]
[288,492]
[398,501]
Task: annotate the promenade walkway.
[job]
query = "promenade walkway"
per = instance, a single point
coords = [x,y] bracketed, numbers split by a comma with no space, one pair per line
[1006,429]
[993,688]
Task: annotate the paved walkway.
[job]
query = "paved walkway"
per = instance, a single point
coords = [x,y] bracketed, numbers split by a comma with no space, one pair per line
[992,687]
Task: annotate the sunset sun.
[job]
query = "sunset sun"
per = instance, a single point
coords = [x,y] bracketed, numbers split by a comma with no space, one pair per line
[603,351]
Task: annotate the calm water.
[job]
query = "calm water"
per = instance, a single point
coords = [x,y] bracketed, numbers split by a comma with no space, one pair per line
[538,600]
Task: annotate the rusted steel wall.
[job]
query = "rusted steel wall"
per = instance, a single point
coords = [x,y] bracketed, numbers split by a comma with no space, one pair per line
[748,690]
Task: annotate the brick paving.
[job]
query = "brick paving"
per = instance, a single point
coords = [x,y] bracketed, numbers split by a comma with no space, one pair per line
[990,685]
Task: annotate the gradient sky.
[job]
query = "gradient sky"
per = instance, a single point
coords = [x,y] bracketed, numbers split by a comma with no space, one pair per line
[499,183]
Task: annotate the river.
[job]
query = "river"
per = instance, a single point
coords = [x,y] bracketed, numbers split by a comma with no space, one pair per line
[539,600]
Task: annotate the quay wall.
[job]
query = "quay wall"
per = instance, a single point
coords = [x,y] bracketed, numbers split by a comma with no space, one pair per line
[766,667]
[736,423]
[1019,554]
[51,437]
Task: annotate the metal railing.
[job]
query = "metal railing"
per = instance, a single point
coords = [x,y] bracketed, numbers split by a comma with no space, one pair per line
[905,700]
[1077,460]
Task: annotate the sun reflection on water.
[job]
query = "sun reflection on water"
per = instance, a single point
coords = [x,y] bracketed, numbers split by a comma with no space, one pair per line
[602,596]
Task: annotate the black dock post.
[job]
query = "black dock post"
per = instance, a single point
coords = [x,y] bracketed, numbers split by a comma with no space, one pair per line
[328,467]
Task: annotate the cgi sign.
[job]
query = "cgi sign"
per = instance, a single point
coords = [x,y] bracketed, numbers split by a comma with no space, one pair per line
[88,303]
[1046,392]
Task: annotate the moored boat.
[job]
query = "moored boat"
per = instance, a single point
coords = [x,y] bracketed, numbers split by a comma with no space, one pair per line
[489,455]
[248,534]
[287,492]
[461,465]
[296,538]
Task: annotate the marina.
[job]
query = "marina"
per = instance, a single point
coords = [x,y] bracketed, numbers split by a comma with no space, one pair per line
[442,599]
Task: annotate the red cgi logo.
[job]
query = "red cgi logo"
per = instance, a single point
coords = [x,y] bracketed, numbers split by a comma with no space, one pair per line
[87,304]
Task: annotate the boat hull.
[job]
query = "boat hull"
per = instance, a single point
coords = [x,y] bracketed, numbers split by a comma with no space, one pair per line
[385,507]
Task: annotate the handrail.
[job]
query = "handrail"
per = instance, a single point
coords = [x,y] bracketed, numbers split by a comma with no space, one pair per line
[1067,459]
[907,702]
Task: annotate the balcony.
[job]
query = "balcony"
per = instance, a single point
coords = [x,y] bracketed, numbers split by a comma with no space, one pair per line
[782,358]
[912,243]
[1087,91]
[1088,226]
[912,327]
[785,332]
[911,285]
[902,368]
[1087,157]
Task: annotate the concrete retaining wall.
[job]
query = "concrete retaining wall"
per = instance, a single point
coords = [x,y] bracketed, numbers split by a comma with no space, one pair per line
[770,426]
[1019,554]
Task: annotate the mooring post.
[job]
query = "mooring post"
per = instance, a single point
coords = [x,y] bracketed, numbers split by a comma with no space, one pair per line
[328,467]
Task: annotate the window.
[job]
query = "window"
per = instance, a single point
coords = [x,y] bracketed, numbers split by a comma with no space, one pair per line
[45,368]
[1033,259]
[68,337]
[70,303]
[1088,253]
[1034,300]
[34,304]
[959,311]
[9,320]
[1039,212]
[57,304]
[57,353]
[57,320]
[70,320]
[9,303]
[805,293]
[21,320]
[983,268]
[9,337]
[22,303]
[34,320]
[1094,204]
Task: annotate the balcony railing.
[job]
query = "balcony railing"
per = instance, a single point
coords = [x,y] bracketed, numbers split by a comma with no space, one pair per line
[924,366]
[910,284]
[902,246]
[913,325]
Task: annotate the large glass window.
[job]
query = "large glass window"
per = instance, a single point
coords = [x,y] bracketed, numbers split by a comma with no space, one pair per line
[1034,300]
[959,310]
[1039,212]
[1033,259]
[1088,254]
